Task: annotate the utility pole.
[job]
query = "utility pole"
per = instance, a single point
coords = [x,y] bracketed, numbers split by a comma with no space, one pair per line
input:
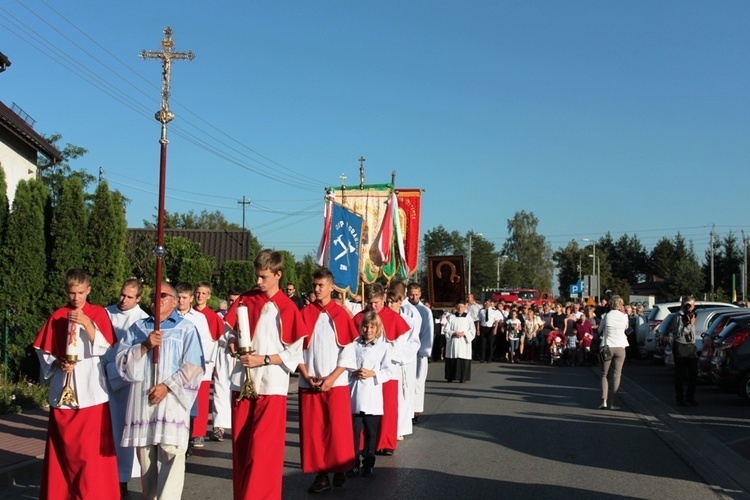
[712,262]
[744,267]
[244,202]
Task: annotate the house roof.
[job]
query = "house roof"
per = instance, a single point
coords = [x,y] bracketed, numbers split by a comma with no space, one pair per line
[4,62]
[222,244]
[16,125]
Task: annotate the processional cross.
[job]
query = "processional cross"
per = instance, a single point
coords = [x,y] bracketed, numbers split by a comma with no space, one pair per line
[164,116]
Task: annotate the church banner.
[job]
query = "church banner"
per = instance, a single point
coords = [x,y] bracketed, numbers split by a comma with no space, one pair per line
[370,203]
[344,248]
[409,204]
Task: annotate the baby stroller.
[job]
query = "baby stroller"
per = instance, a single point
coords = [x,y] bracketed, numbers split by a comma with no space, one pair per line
[556,342]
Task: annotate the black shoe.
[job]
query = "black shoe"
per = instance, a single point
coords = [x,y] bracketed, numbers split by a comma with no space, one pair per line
[386,452]
[189,451]
[124,490]
[320,484]
[692,402]
[339,478]
[353,472]
[415,421]
[367,471]
[681,403]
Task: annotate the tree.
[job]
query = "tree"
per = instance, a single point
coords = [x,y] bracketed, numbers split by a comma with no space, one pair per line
[674,260]
[67,237]
[4,207]
[439,241]
[53,175]
[569,263]
[107,233]
[191,220]
[529,251]
[23,274]
[290,269]
[305,269]
[239,273]
[727,259]
[483,263]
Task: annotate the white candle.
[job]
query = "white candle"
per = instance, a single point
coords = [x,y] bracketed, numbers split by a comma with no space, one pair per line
[72,348]
[243,325]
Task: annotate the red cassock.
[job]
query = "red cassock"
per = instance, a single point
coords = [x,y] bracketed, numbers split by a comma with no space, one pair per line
[79,458]
[326,440]
[259,426]
[216,327]
[393,327]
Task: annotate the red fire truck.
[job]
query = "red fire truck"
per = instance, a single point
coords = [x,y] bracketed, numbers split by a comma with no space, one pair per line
[524,296]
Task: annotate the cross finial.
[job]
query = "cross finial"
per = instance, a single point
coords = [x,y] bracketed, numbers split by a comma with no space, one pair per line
[164,115]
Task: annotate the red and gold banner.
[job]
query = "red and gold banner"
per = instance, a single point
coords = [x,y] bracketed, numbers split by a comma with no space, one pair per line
[409,207]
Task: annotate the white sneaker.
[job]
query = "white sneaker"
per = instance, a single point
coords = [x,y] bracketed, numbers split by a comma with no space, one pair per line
[603,406]
[400,438]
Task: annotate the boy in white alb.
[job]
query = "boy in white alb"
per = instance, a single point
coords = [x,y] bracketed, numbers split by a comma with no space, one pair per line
[259,425]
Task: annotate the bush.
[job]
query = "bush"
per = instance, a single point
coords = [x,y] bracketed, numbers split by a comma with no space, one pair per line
[22,395]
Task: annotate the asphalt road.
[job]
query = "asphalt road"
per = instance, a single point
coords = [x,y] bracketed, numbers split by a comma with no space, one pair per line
[532,430]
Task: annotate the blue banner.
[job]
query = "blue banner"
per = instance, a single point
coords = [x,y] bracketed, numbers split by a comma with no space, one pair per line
[346,233]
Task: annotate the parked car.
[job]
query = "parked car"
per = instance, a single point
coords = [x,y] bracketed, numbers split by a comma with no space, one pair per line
[646,335]
[730,368]
[715,328]
[703,318]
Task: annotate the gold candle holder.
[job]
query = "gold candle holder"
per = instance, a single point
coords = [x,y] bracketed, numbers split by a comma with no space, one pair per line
[248,389]
[68,395]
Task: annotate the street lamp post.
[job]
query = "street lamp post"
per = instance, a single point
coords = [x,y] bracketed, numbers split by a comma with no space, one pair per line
[469,280]
[593,266]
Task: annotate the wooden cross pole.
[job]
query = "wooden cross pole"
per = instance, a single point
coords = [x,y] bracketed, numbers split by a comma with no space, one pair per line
[164,116]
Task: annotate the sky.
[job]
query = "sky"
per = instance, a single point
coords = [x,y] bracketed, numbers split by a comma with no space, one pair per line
[627,117]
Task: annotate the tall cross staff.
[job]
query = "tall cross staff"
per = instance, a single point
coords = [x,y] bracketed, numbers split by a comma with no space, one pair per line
[164,116]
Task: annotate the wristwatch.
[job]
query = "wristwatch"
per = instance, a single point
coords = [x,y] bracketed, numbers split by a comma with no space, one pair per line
[267,360]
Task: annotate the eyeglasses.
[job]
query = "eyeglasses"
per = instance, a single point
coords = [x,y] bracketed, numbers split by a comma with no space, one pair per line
[163,295]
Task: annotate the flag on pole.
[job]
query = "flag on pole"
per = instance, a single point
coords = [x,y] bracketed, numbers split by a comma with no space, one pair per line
[344,247]
[325,239]
[409,207]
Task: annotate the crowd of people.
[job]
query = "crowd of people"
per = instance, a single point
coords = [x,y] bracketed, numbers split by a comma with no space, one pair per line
[141,385]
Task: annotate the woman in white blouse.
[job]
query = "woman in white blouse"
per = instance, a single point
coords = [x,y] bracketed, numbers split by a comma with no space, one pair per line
[612,330]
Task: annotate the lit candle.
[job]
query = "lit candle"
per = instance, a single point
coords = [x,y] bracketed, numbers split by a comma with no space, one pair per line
[72,348]
[243,324]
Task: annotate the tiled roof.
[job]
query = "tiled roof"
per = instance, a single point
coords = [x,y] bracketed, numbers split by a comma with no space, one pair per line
[15,124]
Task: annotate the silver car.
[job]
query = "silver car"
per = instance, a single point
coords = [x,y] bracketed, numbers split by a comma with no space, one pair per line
[646,334]
[703,319]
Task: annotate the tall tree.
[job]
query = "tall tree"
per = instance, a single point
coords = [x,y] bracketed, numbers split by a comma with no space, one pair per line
[4,207]
[53,175]
[107,229]
[22,275]
[305,269]
[679,267]
[530,251]
[192,220]
[68,238]
[569,261]
[290,269]
[728,257]
[439,241]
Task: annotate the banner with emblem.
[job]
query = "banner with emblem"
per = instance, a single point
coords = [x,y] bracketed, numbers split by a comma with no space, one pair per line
[370,202]
[344,247]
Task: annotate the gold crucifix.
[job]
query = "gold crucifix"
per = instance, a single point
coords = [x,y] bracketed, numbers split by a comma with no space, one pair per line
[164,115]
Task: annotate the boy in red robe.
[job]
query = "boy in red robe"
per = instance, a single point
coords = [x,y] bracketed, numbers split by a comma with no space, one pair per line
[79,459]
[259,425]
[326,444]
[393,327]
